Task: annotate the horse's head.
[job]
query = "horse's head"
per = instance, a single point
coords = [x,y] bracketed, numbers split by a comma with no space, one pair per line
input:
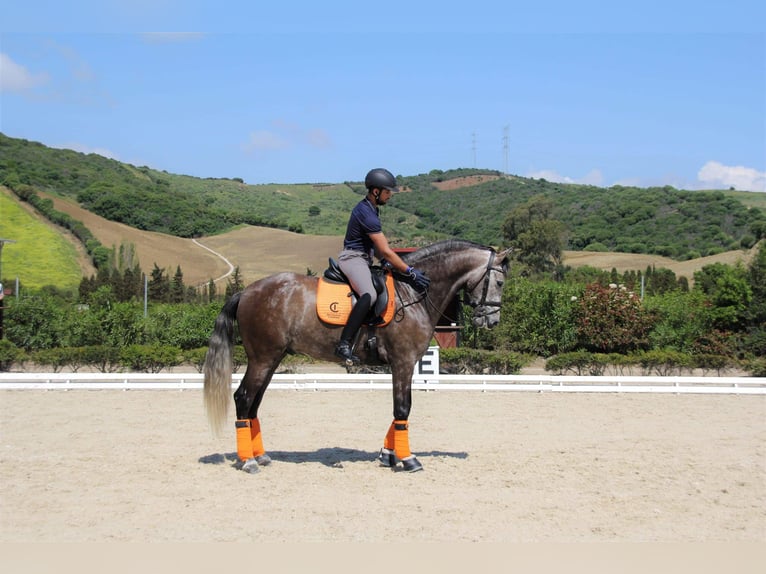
[485,292]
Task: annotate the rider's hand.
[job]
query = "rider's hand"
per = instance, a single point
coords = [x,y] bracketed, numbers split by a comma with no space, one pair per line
[419,280]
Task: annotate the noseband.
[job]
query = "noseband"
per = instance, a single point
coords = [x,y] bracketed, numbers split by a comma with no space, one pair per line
[487,276]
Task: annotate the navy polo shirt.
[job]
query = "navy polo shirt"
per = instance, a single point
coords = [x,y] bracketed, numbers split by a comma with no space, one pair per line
[365,219]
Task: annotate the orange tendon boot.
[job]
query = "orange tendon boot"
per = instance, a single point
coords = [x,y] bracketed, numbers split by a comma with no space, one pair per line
[386,457]
[257,443]
[244,440]
[402,447]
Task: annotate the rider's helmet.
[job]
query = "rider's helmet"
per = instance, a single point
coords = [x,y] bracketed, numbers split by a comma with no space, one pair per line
[381,179]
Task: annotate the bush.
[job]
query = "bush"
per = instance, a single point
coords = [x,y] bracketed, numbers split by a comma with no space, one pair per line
[466,361]
[195,357]
[238,357]
[105,359]
[665,362]
[9,354]
[611,319]
[579,363]
[717,363]
[150,358]
[54,359]
[756,366]
[537,317]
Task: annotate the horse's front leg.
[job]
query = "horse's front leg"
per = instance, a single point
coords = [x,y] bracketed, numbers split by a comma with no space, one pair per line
[396,445]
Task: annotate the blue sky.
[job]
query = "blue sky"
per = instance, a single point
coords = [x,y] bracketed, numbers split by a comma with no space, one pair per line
[655,93]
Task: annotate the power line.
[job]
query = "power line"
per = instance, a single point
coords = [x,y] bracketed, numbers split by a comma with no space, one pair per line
[506,132]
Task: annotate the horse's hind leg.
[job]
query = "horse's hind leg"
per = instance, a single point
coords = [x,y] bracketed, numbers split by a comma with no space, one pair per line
[247,399]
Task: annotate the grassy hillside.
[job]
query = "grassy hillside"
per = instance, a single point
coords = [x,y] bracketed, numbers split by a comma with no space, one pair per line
[257,251]
[260,251]
[42,255]
[186,206]
[662,221]
[468,203]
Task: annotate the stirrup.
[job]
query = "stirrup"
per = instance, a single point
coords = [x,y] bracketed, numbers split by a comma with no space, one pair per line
[343,350]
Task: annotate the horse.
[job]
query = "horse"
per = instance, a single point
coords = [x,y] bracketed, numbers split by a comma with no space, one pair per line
[276,316]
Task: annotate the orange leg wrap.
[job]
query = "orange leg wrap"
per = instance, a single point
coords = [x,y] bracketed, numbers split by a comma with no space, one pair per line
[244,439]
[401,440]
[255,437]
[388,442]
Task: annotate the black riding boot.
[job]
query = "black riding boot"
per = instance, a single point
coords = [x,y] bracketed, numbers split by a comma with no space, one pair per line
[355,320]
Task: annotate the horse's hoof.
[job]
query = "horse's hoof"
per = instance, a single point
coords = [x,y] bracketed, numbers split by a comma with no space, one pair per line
[263,460]
[387,458]
[250,466]
[411,464]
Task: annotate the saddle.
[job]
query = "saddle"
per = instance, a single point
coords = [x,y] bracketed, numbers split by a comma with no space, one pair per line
[336,298]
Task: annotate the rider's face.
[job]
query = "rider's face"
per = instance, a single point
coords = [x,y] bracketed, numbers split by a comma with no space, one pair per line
[384,196]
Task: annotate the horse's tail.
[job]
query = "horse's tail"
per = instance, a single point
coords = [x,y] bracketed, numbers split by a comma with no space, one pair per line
[218,365]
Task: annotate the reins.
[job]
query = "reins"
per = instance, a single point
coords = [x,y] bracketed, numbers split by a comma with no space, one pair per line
[486,277]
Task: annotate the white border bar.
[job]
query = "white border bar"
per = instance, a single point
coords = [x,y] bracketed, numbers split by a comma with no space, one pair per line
[332,381]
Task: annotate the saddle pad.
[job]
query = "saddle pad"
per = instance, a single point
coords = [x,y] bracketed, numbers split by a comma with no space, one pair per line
[334,301]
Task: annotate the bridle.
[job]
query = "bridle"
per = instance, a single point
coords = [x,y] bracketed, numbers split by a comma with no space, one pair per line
[491,306]
[487,277]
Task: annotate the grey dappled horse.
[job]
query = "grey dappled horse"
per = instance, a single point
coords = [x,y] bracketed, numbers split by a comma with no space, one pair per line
[276,315]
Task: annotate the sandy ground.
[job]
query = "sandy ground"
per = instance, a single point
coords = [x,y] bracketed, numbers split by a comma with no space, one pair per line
[143,466]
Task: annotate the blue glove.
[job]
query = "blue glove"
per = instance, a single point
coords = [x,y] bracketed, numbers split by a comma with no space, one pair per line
[419,280]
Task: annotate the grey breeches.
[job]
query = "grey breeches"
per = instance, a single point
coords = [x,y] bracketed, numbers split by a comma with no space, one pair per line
[356,267]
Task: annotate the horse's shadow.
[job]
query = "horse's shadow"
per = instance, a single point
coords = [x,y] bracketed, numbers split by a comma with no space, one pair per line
[332,457]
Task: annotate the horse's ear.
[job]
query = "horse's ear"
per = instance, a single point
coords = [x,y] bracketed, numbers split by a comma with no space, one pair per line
[504,257]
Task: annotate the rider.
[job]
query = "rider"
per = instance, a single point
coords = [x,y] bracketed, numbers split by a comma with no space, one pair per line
[364,238]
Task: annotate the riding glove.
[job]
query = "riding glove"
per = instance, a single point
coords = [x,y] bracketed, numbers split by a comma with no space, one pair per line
[419,280]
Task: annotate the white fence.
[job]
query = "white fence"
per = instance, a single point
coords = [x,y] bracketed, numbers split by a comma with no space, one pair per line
[428,382]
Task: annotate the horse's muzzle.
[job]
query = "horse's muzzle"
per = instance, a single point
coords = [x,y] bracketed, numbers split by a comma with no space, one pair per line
[486,317]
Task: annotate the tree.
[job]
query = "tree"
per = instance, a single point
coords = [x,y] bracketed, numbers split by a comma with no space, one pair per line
[755,340]
[159,285]
[235,284]
[728,291]
[537,239]
[177,287]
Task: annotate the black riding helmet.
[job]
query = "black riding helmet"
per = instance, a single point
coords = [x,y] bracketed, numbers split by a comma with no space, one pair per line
[381,179]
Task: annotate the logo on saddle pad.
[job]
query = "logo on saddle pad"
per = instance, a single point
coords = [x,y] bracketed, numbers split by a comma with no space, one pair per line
[335,301]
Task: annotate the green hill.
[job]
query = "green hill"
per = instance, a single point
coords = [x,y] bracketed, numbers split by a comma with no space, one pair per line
[663,221]
[49,258]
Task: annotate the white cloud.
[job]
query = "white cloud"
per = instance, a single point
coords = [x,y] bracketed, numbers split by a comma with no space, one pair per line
[82,148]
[318,139]
[16,78]
[286,134]
[264,139]
[549,175]
[717,175]
[628,182]
[593,177]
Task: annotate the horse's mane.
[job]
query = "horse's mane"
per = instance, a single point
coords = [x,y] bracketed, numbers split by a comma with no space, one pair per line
[442,247]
